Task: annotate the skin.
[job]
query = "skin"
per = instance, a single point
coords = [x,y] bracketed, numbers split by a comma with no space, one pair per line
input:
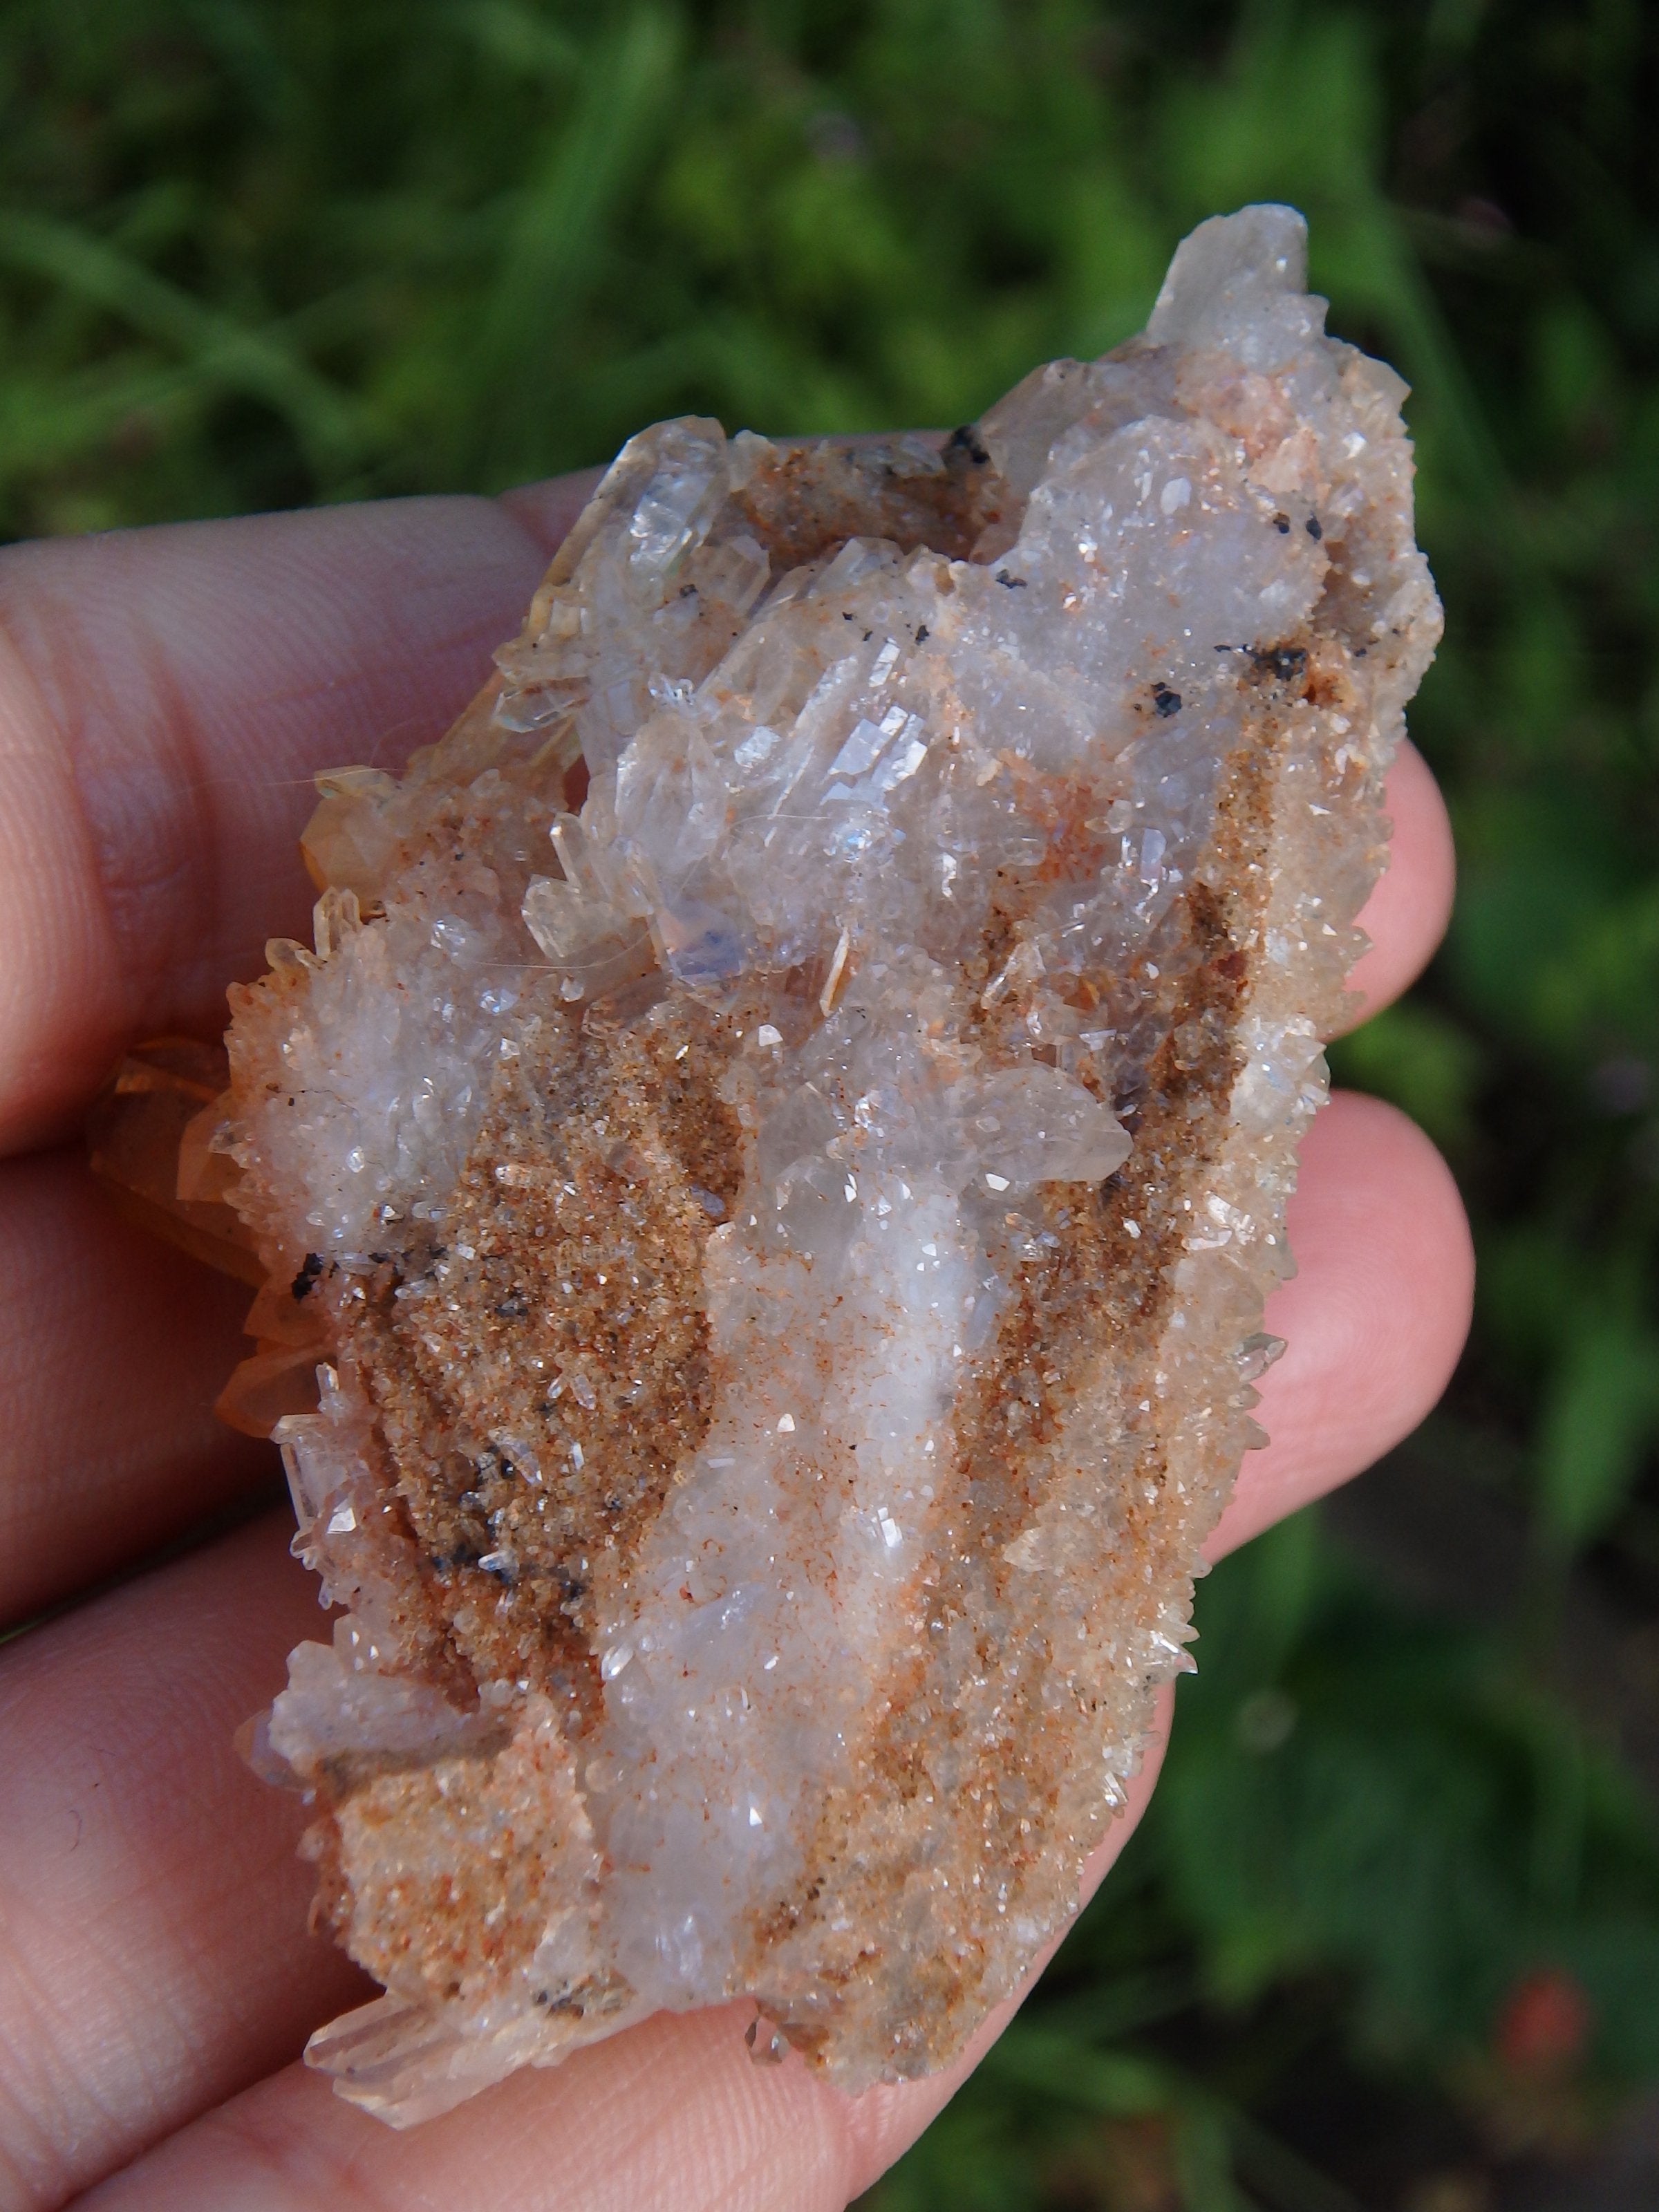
[165,696]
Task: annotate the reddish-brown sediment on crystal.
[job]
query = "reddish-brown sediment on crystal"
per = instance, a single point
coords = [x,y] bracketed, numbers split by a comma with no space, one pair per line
[1083,1325]
[768,1426]
[576,1326]
[804,501]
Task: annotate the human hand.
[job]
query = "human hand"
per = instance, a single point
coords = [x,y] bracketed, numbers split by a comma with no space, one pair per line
[164,698]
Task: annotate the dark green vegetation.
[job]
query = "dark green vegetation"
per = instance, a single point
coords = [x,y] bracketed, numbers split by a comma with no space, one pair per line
[1396,1914]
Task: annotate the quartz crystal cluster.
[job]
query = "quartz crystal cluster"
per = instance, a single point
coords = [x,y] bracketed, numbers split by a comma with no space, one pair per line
[774,1164]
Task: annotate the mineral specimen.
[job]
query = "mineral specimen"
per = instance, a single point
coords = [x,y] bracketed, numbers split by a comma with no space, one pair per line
[775,1159]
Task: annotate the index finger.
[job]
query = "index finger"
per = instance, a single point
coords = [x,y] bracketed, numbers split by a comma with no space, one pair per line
[166,697]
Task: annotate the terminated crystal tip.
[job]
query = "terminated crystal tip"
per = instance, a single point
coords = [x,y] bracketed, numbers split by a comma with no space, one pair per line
[776,1158]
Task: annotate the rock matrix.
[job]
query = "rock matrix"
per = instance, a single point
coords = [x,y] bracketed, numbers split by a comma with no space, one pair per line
[774,1161]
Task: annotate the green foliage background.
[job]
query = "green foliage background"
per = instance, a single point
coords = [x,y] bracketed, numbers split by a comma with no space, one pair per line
[259,253]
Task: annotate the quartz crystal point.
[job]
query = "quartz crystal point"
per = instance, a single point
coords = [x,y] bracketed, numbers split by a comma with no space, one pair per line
[775,1159]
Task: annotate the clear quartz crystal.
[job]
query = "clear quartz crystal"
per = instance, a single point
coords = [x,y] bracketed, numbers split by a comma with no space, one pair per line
[781,1146]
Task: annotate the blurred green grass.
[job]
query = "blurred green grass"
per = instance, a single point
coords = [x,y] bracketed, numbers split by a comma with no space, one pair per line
[260,253]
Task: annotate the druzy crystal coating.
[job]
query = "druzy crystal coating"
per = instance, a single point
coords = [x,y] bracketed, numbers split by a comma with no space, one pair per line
[775,1159]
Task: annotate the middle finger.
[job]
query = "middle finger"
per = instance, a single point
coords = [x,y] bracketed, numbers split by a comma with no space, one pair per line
[113,1349]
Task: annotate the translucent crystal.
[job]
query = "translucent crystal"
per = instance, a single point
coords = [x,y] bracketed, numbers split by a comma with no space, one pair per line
[781,1146]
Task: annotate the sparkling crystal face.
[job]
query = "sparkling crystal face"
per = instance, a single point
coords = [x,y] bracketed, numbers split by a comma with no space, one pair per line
[779,1150]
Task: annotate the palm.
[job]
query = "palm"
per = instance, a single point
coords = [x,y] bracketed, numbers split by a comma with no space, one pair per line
[164,698]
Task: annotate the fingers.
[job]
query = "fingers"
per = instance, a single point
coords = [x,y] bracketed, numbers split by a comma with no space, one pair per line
[1405,915]
[1373,1322]
[152,1952]
[113,1348]
[165,698]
